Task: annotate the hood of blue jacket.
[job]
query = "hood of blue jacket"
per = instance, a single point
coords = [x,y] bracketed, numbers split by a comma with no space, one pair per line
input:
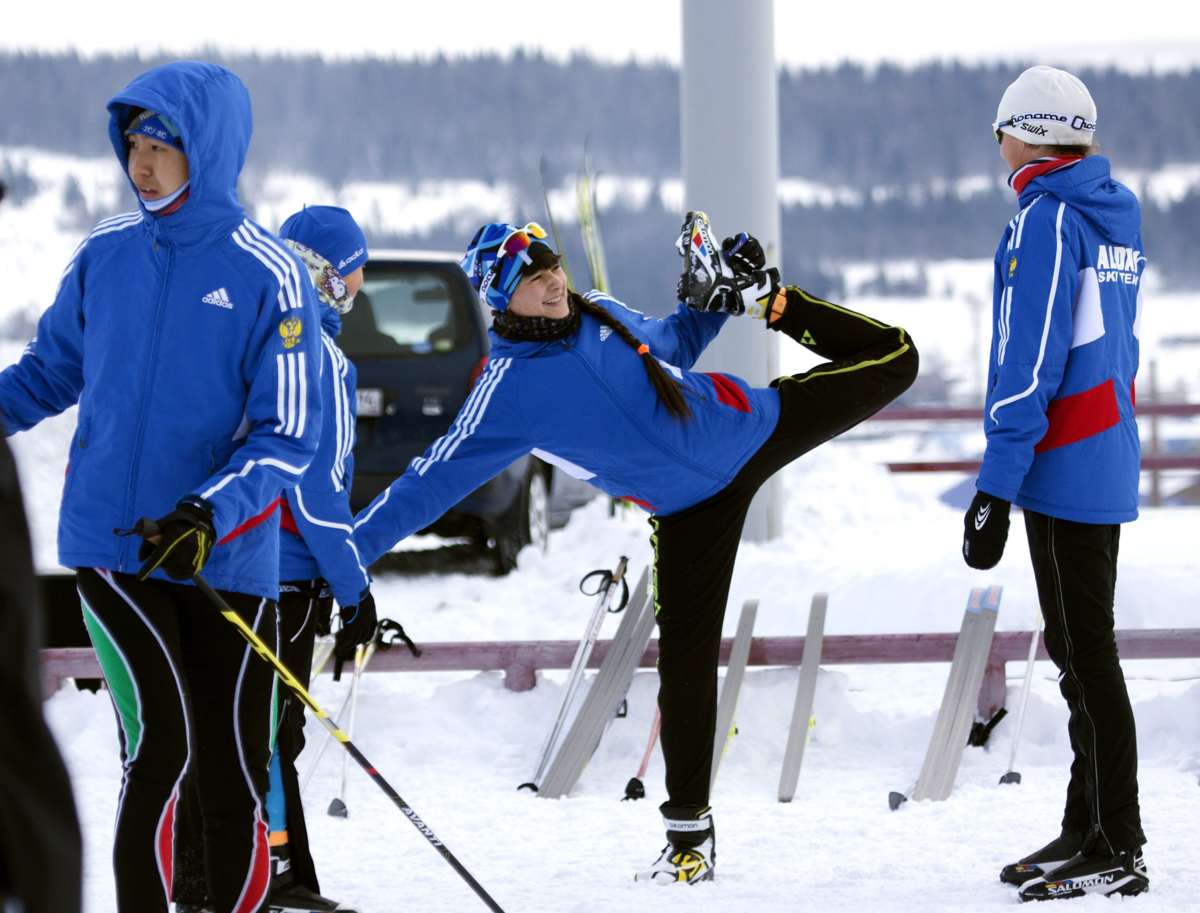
[1089,187]
[210,108]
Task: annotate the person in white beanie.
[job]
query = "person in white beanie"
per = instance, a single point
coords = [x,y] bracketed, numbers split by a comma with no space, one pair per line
[1063,445]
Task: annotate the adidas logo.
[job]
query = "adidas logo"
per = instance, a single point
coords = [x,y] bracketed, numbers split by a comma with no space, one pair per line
[220,298]
[605,332]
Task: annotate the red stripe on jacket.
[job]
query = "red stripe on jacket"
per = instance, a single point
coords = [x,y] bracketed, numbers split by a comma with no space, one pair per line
[253,521]
[729,393]
[286,519]
[1082,415]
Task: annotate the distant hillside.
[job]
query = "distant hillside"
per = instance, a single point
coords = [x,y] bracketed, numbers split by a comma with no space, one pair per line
[884,138]
[491,118]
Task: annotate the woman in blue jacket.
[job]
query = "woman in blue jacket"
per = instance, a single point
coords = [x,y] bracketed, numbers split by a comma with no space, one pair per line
[189,337]
[1062,443]
[607,394]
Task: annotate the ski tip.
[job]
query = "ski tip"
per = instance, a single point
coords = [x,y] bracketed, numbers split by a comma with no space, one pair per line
[532,787]
[337,809]
[1011,777]
[895,800]
[634,790]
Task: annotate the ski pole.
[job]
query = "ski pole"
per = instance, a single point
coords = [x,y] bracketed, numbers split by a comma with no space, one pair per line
[1011,776]
[337,808]
[635,788]
[312,768]
[149,531]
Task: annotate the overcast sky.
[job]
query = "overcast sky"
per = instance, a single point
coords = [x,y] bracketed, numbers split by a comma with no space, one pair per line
[1162,33]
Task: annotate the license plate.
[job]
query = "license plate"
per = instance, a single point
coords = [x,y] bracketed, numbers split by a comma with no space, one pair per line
[370,402]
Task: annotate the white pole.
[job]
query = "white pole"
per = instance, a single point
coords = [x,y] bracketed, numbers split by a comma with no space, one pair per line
[729,118]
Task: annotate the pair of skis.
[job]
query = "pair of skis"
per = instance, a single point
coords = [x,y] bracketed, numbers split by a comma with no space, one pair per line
[603,701]
[583,653]
[588,215]
[953,727]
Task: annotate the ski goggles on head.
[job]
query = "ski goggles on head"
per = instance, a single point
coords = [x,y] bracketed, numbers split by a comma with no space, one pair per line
[517,243]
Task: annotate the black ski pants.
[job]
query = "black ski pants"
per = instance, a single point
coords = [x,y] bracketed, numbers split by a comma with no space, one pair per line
[694,550]
[1075,565]
[189,693]
[40,848]
[301,603]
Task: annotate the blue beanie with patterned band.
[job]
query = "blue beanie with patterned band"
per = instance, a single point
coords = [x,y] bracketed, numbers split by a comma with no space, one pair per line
[497,258]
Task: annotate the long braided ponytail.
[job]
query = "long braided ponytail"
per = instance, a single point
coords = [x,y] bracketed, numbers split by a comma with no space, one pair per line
[669,390]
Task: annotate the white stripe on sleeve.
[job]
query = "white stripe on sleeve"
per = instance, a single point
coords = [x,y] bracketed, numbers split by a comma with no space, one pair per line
[1049,311]
[281,393]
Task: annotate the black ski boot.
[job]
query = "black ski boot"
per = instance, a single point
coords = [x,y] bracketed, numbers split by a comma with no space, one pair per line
[1104,873]
[1045,860]
[691,851]
[711,282]
[289,896]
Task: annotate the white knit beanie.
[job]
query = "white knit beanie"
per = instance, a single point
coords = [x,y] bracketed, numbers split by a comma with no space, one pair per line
[1047,107]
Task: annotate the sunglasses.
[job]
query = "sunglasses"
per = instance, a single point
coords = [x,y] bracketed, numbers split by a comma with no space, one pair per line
[996,128]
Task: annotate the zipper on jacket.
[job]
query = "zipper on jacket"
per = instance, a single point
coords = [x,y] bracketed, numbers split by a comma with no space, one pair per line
[131,490]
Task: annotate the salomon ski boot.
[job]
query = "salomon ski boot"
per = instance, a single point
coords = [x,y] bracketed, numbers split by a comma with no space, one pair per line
[1045,860]
[714,281]
[691,851]
[1092,873]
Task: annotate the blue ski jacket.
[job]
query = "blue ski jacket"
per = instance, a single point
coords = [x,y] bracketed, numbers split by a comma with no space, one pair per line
[584,404]
[1067,305]
[317,539]
[191,343]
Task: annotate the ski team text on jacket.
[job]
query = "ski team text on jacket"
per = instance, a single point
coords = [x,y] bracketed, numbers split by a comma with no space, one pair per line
[191,343]
[584,404]
[1067,306]
[317,539]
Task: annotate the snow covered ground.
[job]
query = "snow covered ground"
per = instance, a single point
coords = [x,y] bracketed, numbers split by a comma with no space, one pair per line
[884,546]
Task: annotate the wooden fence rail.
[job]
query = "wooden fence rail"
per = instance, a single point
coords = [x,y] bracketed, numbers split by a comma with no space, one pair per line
[520,660]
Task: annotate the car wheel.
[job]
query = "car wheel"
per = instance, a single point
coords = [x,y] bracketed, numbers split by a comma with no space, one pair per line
[526,522]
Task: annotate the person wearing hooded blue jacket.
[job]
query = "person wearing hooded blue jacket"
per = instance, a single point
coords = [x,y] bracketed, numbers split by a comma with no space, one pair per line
[1063,445]
[189,338]
[608,395]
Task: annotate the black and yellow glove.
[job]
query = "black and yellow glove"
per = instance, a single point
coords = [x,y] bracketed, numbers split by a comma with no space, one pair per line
[187,537]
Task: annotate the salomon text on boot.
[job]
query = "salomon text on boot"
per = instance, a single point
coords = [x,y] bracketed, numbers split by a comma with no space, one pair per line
[1101,871]
[691,851]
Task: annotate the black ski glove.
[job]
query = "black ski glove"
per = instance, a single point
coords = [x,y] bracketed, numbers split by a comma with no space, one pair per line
[744,255]
[985,531]
[187,538]
[358,626]
[324,621]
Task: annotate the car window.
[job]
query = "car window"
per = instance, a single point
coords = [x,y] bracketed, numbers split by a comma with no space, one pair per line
[409,312]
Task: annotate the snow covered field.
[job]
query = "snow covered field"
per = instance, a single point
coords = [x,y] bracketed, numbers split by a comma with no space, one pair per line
[884,547]
[456,745]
